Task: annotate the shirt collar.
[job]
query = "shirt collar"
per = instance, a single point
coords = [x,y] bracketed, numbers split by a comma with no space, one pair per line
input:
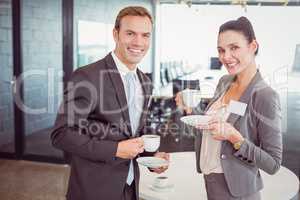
[122,68]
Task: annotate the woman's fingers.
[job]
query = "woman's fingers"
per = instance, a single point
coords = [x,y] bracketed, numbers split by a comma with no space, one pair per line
[219,136]
[202,127]
[213,121]
[220,130]
[216,127]
[209,126]
[178,99]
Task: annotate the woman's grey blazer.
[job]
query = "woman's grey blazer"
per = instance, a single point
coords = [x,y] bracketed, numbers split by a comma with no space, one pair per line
[261,128]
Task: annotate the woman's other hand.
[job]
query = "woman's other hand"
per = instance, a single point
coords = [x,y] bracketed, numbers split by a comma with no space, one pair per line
[180,104]
[222,131]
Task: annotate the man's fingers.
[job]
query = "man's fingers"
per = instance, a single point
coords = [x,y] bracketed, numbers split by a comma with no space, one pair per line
[138,140]
[163,155]
[160,169]
[167,156]
[157,170]
[141,149]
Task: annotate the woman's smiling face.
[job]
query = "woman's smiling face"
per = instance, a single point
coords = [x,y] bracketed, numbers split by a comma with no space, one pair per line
[235,51]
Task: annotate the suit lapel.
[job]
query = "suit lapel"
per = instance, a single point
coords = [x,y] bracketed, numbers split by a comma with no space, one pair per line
[146,86]
[120,90]
[246,97]
[220,90]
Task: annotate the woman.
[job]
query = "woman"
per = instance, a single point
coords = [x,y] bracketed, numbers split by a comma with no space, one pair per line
[231,151]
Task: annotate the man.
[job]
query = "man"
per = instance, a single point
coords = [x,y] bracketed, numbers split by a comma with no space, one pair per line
[104,113]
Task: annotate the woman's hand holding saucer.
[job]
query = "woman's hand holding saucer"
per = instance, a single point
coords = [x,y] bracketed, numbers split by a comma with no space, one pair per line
[221,130]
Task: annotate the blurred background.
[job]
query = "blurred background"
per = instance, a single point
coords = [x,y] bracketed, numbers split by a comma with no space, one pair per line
[43,41]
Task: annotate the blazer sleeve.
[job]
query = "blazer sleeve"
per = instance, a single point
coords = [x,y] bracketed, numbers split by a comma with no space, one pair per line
[70,135]
[267,114]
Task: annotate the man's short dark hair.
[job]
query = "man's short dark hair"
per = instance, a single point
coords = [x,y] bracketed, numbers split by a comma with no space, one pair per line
[132,11]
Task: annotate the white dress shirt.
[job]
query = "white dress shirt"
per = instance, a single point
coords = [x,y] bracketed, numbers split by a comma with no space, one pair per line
[123,70]
[210,161]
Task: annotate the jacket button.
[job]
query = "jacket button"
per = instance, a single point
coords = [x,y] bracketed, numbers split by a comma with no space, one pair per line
[223,156]
[127,164]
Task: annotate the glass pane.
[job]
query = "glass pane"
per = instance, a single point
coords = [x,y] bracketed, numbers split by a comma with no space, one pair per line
[92,33]
[42,63]
[6,77]
[92,44]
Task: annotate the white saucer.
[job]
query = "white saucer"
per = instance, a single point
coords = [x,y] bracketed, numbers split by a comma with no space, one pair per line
[167,188]
[152,162]
[194,120]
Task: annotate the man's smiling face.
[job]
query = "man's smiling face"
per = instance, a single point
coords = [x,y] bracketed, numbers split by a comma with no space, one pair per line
[132,39]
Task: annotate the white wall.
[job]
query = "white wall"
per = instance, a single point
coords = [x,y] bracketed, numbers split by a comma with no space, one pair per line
[191,33]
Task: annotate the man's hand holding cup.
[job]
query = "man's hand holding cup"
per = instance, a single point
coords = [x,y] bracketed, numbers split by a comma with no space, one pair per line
[151,144]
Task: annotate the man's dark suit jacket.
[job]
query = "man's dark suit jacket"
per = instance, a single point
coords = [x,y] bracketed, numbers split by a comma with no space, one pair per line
[91,121]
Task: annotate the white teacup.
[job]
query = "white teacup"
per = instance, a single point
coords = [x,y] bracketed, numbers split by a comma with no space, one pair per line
[191,98]
[151,142]
[161,181]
